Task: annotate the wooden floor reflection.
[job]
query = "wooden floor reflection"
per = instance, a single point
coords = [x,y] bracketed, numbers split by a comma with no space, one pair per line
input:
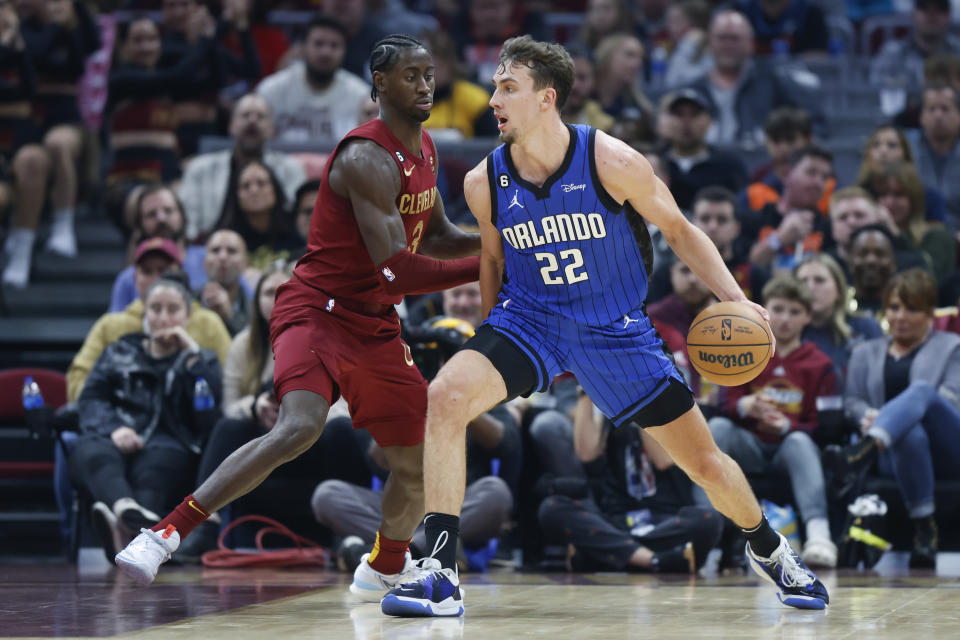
[59,601]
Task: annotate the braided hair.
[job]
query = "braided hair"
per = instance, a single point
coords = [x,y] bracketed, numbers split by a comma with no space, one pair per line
[386,52]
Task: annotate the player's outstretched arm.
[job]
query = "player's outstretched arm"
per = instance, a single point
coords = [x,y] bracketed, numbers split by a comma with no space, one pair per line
[628,177]
[443,239]
[476,190]
[365,173]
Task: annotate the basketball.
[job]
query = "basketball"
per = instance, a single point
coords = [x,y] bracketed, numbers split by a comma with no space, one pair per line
[729,343]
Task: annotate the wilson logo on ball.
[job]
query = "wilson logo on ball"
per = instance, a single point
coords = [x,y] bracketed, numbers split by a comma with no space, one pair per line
[727,360]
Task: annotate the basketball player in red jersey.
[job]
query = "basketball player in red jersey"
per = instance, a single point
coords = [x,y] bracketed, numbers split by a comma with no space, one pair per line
[334,328]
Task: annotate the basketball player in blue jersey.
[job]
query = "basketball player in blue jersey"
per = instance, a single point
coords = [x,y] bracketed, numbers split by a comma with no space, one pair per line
[563,272]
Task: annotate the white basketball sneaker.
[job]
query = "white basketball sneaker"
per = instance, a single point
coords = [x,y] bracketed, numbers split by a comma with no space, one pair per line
[143,556]
[369,584]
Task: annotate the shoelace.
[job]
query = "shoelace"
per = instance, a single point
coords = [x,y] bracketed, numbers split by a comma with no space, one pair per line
[151,544]
[791,573]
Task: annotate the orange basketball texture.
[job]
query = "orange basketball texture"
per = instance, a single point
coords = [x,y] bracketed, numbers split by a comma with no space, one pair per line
[729,343]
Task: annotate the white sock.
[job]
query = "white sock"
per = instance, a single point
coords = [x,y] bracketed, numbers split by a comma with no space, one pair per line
[62,239]
[19,246]
[818,529]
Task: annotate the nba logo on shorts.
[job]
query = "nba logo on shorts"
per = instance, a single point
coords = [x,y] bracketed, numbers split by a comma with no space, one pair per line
[388,274]
[726,329]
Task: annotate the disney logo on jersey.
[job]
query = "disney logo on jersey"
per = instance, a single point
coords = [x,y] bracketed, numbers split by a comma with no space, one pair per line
[562,227]
[567,188]
[412,204]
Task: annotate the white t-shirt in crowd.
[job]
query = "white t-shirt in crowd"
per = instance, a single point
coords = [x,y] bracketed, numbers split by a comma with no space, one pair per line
[301,114]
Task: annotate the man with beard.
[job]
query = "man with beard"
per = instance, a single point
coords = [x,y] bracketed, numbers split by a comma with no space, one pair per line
[792,226]
[208,176]
[692,163]
[935,146]
[872,265]
[224,262]
[316,100]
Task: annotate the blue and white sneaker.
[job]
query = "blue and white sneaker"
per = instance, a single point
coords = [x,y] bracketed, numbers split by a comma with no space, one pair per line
[796,585]
[435,593]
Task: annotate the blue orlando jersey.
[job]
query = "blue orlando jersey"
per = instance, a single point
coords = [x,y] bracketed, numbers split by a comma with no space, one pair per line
[569,248]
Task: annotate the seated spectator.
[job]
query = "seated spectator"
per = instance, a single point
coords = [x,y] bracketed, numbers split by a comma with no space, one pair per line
[903,392]
[481,28]
[852,208]
[140,113]
[935,146]
[888,145]
[639,515]
[792,226]
[898,189]
[769,422]
[899,64]
[714,214]
[197,103]
[693,164]
[24,164]
[460,107]
[744,90]
[316,100]
[207,177]
[255,208]
[304,201]
[619,69]
[225,261]
[352,510]
[786,26]
[361,30]
[142,428]
[250,410]
[872,264]
[603,18]
[832,327]
[154,257]
[687,22]
[59,36]
[157,214]
[786,131]
[690,296]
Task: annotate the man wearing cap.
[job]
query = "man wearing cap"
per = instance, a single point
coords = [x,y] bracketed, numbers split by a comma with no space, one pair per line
[153,257]
[900,62]
[691,162]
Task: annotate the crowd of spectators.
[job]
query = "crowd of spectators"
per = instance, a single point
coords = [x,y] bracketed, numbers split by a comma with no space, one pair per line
[207,152]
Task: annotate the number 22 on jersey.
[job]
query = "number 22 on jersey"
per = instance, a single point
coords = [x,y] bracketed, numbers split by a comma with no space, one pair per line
[573,260]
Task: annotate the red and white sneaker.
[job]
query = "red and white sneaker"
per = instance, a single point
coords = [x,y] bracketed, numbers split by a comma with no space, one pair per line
[141,559]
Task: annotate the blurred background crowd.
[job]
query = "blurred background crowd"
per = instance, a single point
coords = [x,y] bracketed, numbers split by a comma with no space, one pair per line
[159,163]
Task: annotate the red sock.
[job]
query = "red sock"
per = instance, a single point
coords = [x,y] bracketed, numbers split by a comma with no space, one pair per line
[186,517]
[388,555]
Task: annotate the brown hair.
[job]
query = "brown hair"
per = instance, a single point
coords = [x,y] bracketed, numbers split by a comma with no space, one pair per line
[916,289]
[549,63]
[865,163]
[905,174]
[788,287]
[258,349]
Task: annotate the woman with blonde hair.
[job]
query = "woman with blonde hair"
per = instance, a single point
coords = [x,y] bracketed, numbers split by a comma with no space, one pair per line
[619,70]
[898,188]
[832,327]
[888,144]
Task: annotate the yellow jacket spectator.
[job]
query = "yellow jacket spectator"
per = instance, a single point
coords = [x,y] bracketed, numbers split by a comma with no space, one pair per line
[458,104]
[204,326]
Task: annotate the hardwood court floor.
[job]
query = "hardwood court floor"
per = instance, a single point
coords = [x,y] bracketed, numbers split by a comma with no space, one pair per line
[266,604]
